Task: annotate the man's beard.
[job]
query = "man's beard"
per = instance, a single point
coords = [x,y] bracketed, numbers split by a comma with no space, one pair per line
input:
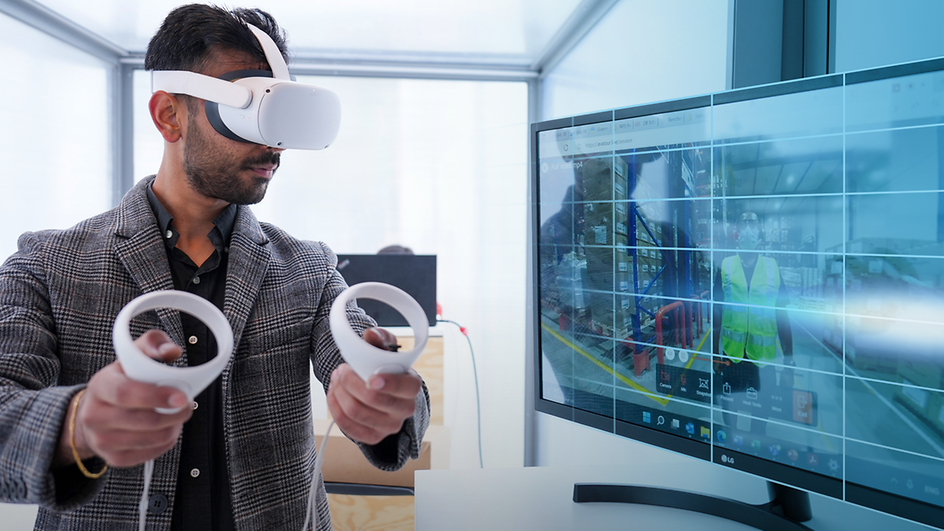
[214,175]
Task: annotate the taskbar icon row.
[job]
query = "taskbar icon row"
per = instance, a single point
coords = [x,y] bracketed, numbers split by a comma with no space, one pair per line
[677,424]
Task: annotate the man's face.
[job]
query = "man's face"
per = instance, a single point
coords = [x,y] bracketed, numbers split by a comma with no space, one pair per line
[748,228]
[220,168]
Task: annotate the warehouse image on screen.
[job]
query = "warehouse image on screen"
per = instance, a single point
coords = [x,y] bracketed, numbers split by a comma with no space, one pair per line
[753,281]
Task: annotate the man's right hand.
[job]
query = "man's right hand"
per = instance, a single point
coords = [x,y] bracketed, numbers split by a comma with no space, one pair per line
[116,420]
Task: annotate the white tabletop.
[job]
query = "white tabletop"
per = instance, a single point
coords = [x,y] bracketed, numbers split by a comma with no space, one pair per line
[542,498]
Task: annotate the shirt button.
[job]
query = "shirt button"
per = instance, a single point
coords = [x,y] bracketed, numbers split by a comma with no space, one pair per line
[169,234]
[195,405]
[195,473]
[192,340]
[196,280]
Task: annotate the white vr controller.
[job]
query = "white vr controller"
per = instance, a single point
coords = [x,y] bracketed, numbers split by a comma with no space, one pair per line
[140,367]
[364,358]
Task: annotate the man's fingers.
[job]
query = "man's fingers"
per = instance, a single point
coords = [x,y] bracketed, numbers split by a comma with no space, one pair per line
[110,385]
[116,442]
[372,407]
[381,338]
[102,416]
[351,427]
[381,388]
[158,345]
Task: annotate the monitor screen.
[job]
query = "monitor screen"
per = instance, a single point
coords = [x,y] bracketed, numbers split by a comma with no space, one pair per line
[414,274]
[754,278]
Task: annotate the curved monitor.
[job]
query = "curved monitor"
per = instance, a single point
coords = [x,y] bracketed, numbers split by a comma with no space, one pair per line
[755,278]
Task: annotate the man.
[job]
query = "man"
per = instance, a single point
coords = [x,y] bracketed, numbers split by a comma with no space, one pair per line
[748,327]
[241,455]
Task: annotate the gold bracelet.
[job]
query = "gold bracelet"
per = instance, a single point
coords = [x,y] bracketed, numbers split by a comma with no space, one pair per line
[75,453]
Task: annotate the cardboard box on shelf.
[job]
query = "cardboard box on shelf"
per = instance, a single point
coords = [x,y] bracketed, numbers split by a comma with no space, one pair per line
[596,178]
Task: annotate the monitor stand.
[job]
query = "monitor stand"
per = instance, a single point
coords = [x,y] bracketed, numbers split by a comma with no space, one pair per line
[783,512]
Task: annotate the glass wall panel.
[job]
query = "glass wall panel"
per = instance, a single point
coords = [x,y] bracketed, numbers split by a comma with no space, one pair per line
[783,167]
[895,160]
[896,224]
[58,134]
[901,101]
[810,113]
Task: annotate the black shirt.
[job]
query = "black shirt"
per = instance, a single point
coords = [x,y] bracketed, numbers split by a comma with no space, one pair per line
[202,500]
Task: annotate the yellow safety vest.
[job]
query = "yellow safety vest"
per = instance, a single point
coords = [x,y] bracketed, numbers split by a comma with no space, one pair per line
[749,321]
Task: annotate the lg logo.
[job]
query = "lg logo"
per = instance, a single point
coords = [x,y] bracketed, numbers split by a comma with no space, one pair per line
[726,459]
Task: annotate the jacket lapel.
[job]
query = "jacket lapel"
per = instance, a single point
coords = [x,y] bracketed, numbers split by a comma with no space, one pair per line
[141,250]
[248,262]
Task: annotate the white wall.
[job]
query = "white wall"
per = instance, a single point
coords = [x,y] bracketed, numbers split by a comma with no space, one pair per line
[56,134]
[642,52]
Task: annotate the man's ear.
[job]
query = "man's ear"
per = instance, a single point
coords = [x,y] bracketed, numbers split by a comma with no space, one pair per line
[168,114]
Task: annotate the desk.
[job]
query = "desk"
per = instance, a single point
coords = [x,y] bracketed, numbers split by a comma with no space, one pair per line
[542,498]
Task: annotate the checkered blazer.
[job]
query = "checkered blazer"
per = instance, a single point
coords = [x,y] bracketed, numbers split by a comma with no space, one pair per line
[59,296]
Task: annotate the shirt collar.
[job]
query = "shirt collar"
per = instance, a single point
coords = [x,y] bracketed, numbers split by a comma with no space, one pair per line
[219,235]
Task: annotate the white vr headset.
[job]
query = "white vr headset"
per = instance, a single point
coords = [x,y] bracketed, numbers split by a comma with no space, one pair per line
[259,106]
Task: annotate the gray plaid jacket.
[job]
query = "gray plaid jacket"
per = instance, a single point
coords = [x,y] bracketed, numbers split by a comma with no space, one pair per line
[59,296]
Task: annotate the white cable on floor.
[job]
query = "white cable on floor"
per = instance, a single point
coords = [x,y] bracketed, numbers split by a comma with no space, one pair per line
[319,460]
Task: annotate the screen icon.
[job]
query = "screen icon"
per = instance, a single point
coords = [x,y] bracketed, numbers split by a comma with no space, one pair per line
[675,424]
[802,406]
[647,417]
[690,428]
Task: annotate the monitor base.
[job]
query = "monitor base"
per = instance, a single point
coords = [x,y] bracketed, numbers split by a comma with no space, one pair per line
[788,507]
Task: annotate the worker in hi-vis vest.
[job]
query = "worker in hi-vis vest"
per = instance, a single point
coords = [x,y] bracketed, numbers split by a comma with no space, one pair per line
[749,326]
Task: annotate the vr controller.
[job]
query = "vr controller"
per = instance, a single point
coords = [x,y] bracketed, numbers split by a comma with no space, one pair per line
[364,358]
[140,367]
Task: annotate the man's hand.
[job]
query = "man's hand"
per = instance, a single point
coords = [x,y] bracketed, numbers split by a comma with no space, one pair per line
[116,419]
[369,412]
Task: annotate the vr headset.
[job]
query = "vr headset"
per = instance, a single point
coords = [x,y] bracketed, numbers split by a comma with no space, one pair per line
[258,106]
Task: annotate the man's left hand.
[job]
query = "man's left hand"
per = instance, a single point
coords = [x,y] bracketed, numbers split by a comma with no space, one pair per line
[369,412]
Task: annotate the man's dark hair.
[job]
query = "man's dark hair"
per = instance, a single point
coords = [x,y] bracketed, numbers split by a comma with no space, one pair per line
[189,34]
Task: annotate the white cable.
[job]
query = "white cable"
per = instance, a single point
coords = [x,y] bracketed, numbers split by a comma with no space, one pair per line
[143,504]
[475,374]
[319,460]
